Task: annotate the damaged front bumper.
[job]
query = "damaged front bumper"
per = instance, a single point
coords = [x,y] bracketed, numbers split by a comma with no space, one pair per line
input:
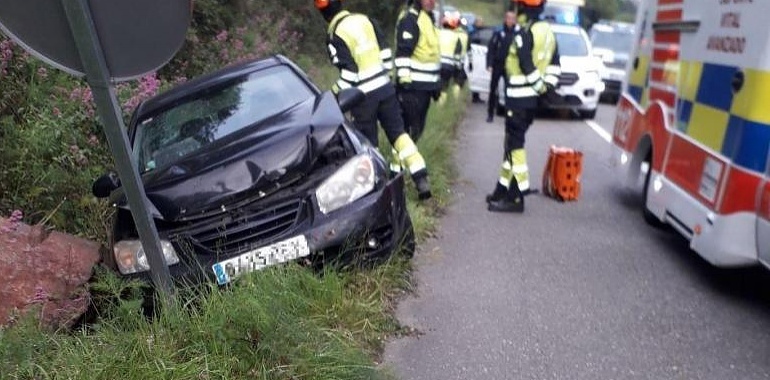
[367,230]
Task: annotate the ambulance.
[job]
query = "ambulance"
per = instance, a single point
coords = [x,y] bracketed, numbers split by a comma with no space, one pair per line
[694,122]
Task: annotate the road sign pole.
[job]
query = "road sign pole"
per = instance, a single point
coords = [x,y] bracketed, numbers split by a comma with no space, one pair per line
[98,76]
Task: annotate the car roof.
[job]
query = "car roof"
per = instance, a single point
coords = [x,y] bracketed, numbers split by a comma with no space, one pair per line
[214,78]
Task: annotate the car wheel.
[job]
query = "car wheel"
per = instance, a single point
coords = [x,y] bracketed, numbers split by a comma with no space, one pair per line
[588,114]
[649,217]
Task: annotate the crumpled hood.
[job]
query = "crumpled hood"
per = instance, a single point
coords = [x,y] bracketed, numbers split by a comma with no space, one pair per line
[276,152]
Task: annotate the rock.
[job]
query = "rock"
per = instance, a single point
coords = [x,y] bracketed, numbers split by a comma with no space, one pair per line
[45,273]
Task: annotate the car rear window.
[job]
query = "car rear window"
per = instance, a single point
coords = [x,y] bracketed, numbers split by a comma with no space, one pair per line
[215,113]
[619,42]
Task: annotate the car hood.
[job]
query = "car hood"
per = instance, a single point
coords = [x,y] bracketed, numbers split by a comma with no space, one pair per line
[576,64]
[253,162]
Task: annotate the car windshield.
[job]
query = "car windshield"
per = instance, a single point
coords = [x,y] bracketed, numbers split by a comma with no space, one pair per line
[618,42]
[214,113]
[571,44]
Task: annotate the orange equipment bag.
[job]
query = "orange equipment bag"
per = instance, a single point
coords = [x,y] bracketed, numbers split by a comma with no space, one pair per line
[561,177]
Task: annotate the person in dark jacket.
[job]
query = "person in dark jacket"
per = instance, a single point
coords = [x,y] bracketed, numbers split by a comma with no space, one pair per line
[497,51]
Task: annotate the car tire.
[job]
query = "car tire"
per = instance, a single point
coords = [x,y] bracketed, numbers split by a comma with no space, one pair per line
[649,217]
[588,114]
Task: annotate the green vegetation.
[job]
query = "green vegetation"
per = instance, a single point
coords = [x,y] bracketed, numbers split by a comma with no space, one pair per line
[282,323]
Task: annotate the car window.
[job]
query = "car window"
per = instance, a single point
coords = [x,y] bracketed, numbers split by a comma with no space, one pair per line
[215,113]
[482,36]
[619,42]
[571,44]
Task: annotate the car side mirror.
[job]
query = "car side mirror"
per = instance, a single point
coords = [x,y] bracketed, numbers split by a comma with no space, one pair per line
[105,185]
[349,98]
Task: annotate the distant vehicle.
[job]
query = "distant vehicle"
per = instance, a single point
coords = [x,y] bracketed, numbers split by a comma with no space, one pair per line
[253,166]
[612,43]
[580,82]
[694,123]
[478,76]
[563,12]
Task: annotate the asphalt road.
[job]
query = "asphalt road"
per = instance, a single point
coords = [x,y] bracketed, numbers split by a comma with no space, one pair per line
[580,290]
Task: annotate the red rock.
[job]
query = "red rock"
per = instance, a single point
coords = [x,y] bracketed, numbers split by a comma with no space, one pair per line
[45,272]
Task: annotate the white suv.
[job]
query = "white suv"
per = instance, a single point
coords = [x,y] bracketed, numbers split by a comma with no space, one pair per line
[580,83]
[612,43]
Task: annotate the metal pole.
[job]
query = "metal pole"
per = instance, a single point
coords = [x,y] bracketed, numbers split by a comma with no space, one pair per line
[97,74]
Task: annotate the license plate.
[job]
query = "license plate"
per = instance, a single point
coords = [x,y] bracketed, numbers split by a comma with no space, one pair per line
[280,252]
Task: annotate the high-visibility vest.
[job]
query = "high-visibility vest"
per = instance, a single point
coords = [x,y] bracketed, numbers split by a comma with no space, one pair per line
[448,40]
[424,65]
[525,85]
[357,31]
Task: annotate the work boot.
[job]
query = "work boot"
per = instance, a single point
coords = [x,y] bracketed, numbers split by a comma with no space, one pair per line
[423,187]
[513,201]
[497,194]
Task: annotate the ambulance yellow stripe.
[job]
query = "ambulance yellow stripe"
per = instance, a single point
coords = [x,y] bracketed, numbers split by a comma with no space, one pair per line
[638,76]
[708,125]
[690,77]
[752,102]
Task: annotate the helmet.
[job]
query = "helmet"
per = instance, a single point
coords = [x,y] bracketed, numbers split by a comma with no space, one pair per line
[451,22]
[323,4]
[529,3]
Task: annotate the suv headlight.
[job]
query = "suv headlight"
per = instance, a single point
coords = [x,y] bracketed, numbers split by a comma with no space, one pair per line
[349,183]
[130,256]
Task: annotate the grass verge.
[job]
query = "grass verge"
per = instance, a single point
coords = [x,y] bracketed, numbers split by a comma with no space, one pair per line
[281,323]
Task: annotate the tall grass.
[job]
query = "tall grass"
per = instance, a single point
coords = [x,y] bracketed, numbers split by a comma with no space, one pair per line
[281,323]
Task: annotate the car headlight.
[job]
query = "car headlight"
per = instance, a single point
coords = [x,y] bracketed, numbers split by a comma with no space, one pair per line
[130,256]
[349,183]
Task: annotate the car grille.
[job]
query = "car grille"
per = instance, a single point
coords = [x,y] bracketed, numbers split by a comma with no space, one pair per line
[567,79]
[242,229]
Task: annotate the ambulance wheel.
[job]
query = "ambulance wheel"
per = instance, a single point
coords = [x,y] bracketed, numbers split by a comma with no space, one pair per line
[588,114]
[649,217]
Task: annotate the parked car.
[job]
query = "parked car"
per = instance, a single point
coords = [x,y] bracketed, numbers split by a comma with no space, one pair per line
[612,43]
[580,82]
[252,166]
[476,64]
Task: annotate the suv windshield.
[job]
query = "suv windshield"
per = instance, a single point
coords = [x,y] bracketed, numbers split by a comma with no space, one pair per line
[571,44]
[618,42]
[197,121]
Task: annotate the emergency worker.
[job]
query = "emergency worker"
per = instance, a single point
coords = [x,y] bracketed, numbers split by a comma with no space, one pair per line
[497,52]
[417,63]
[358,50]
[451,50]
[532,69]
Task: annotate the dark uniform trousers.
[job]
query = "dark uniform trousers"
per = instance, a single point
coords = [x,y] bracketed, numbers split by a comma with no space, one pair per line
[385,109]
[517,122]
[414,104]
[497,73]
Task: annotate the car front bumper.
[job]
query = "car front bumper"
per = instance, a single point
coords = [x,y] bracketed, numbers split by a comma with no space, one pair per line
[584,92]
[366,230]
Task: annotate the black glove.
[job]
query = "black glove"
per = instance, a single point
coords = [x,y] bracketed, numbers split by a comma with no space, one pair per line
[552,98]
[435,94]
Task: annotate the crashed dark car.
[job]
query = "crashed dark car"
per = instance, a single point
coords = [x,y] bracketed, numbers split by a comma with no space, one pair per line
[252,166]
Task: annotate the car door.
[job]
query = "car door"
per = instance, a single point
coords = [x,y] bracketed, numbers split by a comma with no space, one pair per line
[763,219]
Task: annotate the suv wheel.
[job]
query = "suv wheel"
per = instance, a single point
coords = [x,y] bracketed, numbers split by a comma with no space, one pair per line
[588,114]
